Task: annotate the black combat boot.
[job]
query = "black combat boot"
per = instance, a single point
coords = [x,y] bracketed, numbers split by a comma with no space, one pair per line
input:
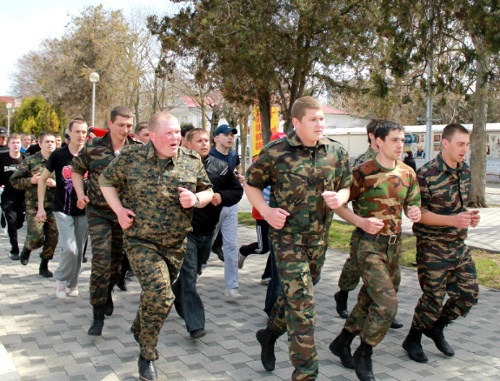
[363,362]
[25,256]
[396,324]
[147,370]
[267,339]
[341,299]
[44,269]
[341,347]
[413,345]
[436,334]
[109,307]
[98,322]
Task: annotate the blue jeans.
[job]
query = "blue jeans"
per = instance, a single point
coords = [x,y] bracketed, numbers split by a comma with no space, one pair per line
[187,302]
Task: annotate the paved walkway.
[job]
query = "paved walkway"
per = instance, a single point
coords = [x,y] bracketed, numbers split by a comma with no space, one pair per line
[46,339]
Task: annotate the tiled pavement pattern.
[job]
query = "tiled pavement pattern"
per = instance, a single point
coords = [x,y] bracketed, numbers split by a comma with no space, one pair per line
[46,339]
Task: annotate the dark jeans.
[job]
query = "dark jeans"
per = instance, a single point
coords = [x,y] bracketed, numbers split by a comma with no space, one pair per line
[187,302]
[15,214]
[274,287]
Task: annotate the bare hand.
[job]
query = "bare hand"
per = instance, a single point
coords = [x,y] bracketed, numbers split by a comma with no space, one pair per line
[462,220]
[241,178]
[276,217]
[50,182]
[126,218]
[372,225]
[82,202]
[333,199]
[414,213]
[35,178]
[41,216]
[187,198]
[216,199]
[475,218]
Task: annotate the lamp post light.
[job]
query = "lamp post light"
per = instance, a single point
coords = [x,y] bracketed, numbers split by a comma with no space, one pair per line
[9,106]
[94,77]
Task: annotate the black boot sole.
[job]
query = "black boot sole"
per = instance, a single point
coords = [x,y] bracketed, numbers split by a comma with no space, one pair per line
[422,359]
[267,366]
[346,362]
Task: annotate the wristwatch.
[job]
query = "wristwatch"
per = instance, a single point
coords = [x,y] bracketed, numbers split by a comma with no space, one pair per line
[197,204]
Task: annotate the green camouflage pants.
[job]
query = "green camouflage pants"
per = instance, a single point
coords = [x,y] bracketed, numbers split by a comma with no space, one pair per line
[349,277]
[155,267]
[377,305]
[41,233]
[444,268]
[299,267]
[107,253]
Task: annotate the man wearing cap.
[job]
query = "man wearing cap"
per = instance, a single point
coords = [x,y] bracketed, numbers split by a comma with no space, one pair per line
[3,140]
[228,222]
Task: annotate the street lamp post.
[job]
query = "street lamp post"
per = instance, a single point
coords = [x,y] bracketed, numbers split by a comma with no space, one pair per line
[94,78]
[9,106]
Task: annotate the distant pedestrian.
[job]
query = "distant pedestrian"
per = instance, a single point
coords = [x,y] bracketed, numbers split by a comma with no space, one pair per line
[410,160]
[153,189]
[71,220]
[39,234]
[141,132]
[13,200]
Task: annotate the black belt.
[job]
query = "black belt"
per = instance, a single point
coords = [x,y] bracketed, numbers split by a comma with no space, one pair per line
[388,239]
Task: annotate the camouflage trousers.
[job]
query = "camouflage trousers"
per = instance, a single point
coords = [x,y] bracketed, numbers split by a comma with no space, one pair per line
[444,268]
[155,267]
[107,253]
[299,266]
[349,277]
[378,264]
[41,234]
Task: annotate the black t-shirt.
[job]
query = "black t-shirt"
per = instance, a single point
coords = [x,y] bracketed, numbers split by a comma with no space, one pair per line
[8,166]
[65,197]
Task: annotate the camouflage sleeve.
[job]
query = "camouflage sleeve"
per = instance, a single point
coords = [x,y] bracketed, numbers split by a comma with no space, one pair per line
[114,174]
[425,195]
[81,163]
[21,178]
[355,190]
[346,174]
[259,174]
[413,195]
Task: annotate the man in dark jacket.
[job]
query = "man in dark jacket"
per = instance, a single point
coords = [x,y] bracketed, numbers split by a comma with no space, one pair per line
[227,192]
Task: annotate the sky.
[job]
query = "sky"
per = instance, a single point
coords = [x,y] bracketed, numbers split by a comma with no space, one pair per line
[25,23]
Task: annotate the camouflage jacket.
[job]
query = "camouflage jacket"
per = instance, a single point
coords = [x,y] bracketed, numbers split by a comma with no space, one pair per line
[384,193]
[298,175]
[94,157]
[370,154]
[148,186]
[21,179]
[444,191]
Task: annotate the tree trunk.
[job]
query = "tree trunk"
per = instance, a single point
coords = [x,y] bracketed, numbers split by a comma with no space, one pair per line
[244,116]
[265,113]
[478,136]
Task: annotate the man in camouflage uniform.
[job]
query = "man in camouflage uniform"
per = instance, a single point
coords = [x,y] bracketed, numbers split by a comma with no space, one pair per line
[39,234]
[382,188]
[151,188]
[309,176]
[349,277]
[105,232]
[445,264]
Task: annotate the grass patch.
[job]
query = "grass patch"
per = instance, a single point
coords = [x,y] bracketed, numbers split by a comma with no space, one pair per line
[487,263]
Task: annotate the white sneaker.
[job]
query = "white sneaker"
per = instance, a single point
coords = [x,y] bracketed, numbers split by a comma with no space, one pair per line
[73,292]
[232,294]
[265,281]
[60,289]
[241,260]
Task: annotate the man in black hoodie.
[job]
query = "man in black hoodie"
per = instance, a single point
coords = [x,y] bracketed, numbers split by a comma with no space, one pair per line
[227,192]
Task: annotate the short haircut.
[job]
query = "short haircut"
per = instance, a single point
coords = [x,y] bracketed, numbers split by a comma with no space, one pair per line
[13,136]
[301,105]
[141,126]
[161,115]
[120,111]
[43,135]
[385,127]
[185,129]
[372,126]
[451,129]
[195,131]
[56,134]
[76,121]
[25,134]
